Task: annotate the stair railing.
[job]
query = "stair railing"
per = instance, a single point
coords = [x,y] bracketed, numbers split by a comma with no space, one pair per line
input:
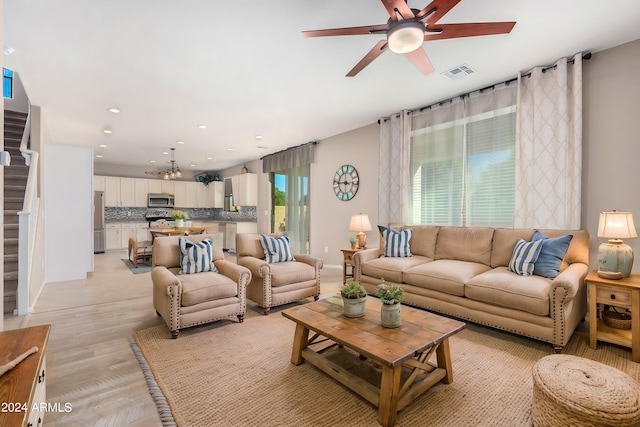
[27,221]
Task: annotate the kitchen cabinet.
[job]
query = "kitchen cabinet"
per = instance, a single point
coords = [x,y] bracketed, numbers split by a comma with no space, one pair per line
[155,186]
[98,183]
[112,236]
[111,191]
[245,189]
[142,232]
[141,190]
[233,228]
[215,194]
[202,196]
[127,192]
[128,231]
[180,194]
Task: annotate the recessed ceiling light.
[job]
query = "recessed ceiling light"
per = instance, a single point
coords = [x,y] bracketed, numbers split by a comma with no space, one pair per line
[259,136]
[165,153]
[113,110]
[180,142]
[102,145]
[99,155]
[193,165]
[8,50]
[262,147]
[229,149]
[202,126]
[107,131]
[152,161]
[209,158]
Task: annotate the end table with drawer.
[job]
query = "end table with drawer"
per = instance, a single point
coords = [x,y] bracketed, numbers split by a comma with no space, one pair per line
[623,293]
[348,262]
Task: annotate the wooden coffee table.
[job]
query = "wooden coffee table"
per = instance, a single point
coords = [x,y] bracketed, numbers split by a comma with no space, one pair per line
[410,346]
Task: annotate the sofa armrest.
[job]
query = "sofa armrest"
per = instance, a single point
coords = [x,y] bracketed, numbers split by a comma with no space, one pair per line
[572,278]
[362,257]
[235,272]
[308,259]
[257,266]
[165,281]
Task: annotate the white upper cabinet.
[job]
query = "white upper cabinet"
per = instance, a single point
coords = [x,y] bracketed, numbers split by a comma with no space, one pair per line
[127,192]
[180,194]
[141,191]
[245,189]
[111,191]
[215,194]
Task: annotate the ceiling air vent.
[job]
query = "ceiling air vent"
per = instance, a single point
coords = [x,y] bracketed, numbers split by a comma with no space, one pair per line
[459,71]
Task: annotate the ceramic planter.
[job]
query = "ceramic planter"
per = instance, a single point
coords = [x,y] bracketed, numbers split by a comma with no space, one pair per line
[390,315]
[354,307]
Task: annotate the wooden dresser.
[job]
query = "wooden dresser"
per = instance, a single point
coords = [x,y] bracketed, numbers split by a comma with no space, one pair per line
[22,389]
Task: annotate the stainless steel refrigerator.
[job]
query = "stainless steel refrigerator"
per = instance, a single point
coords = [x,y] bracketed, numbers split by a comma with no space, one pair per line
[98,222]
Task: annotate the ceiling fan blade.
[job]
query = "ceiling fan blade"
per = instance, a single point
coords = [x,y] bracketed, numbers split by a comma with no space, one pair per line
[398,5]
[350,31]
[377,50]
[438,8]
[453,31]
[420,59]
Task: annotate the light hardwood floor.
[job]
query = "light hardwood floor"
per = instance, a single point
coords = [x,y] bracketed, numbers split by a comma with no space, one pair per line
[89,360]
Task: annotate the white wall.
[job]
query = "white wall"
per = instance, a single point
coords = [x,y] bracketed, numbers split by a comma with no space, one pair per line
[68,206]
[611,140]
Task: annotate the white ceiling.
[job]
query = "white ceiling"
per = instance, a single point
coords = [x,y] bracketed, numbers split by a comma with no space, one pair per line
[243,69]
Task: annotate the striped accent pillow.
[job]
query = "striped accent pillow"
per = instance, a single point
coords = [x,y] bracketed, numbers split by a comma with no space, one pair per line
[525,254]
[196,257]
[276,250]
[396,243]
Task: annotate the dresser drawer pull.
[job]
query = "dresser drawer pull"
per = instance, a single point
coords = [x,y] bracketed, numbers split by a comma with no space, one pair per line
[41,377]
[613,296]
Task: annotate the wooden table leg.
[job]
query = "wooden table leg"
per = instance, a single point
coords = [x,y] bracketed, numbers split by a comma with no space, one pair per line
[389,390]
[444,361]
[300,340]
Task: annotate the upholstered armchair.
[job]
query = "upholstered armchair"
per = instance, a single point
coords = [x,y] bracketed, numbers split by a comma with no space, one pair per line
[185,300]
[277,283]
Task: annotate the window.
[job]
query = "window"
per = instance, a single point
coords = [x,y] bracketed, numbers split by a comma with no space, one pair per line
[290,190]
[7,83]
[462,171]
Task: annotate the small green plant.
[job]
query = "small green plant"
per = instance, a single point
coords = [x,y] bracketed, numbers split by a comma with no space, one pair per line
[353,290]
[352,239]
[207,179]
[178,214]
[389,294]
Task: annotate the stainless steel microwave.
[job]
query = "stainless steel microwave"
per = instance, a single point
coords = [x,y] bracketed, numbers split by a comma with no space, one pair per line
[160,200]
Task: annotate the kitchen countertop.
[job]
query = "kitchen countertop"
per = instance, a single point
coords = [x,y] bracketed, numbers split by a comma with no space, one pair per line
[196,220]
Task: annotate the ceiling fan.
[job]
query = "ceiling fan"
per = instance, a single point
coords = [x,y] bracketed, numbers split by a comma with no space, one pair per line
[408,28]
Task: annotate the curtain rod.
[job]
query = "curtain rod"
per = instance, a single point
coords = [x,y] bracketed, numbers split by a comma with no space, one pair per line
[290,148]
[585,56]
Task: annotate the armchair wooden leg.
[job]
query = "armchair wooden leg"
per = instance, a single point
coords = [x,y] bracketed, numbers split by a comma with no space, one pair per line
[265,311]
[174,334]
[240,318]
[316,297]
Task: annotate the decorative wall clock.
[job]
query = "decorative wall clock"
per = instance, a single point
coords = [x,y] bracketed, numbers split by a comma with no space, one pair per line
[346,182]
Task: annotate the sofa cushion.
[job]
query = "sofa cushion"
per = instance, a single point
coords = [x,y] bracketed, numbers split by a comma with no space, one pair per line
[551,255]
[208,286]
[504,288]
[276,250]
[504,240]
[525,254]
[390,269]
[284,273]
[448,276]
[423,240]
[471,244]
[396,243]
[196,257]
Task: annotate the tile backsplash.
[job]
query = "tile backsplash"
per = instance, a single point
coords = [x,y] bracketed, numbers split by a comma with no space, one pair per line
[246,213]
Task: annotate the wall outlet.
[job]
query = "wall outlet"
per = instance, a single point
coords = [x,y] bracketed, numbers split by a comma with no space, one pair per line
[128,213]
[326,249]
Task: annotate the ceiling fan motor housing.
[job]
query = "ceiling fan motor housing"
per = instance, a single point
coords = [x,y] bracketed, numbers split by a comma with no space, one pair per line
[405,36]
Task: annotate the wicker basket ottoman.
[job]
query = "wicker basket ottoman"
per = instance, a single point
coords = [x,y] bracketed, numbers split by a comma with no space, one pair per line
[574,391]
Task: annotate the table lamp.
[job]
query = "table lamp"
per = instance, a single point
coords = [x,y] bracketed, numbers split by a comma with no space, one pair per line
[360,223]
[615,258]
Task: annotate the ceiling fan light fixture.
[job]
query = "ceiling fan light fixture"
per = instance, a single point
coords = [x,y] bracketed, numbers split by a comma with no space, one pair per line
[406,36]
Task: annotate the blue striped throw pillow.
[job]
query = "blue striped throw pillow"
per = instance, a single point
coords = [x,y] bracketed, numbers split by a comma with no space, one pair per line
[396,243]
[276,250]
[196,257]
[525,254]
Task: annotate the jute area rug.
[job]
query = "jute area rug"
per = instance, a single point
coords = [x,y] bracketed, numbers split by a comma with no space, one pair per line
[230,374]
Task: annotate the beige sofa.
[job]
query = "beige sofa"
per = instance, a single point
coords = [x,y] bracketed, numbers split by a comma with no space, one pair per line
[463,272]
[185,300]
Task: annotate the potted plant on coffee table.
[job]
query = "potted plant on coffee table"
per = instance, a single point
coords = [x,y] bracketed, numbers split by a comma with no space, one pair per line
[391,297]
[353,298]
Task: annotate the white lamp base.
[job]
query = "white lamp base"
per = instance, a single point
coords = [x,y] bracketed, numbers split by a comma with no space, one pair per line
[615,259]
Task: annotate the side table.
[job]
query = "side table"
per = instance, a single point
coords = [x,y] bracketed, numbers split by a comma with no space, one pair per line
[348,261]
[624,293]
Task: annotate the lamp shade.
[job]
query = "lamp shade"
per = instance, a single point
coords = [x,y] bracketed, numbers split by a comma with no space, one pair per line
[616,225]
[406,36]
[359,222]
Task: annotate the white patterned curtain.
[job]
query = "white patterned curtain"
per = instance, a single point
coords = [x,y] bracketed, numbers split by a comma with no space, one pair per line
[393,187]
[549,146]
